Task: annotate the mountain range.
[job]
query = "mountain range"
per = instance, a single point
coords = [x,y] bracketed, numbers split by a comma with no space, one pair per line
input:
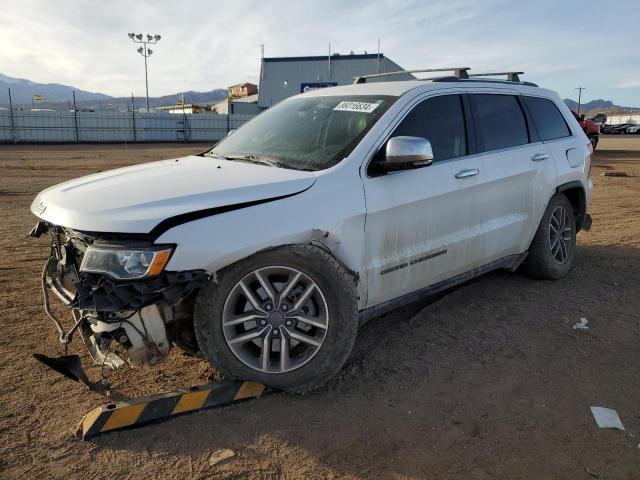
[57,96]
[596,105]
[53,92]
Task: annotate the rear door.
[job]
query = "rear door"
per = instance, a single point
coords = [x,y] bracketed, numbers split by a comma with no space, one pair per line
[519,172]
[423,224]
[554,132]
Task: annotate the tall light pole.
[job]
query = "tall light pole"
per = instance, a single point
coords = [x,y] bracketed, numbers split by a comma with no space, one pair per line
[145,52]
[580,88]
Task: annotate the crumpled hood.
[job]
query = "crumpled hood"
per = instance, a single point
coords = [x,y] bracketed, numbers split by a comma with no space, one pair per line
[136,199]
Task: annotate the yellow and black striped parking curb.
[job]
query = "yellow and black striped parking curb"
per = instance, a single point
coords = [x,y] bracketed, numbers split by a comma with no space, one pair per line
[141,411]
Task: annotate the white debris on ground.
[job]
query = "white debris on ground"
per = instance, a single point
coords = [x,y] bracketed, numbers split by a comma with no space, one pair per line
[581,325]
[607,418]
[220,456]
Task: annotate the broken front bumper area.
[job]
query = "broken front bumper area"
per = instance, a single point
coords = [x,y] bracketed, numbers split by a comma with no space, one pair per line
[136,314]
[143,316]
[100,293]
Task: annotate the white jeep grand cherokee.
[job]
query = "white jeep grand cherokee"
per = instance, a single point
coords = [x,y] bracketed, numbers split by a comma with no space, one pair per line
[268,251]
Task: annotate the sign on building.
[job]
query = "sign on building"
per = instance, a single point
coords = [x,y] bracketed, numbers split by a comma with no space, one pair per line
[308,87]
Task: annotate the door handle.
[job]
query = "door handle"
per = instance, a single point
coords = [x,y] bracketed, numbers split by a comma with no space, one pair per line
[467,172]
[540,156]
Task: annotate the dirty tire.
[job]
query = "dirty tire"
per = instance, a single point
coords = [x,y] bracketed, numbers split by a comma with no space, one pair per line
[540,263]
[338,288]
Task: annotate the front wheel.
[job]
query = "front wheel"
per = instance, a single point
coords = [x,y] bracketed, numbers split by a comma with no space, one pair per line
[287,318]
[553,248]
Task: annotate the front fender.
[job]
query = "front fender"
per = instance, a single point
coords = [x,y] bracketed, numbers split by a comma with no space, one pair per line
[330,214]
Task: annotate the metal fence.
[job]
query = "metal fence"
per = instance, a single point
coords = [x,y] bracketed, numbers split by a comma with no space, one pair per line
[24,126]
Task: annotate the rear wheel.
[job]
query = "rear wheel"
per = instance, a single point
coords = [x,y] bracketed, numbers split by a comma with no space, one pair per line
[286,318]
[553,248]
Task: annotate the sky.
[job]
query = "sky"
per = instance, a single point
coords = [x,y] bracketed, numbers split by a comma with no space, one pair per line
[560,44]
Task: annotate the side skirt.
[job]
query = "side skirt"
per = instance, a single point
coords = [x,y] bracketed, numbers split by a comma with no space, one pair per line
[510,263]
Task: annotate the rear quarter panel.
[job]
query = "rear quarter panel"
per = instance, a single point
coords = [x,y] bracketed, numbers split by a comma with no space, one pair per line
[574,166]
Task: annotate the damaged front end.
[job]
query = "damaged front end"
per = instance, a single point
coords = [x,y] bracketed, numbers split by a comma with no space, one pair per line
[119,294]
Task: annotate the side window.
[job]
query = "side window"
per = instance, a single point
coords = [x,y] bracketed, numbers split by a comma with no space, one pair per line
[441,121]
[548,120]
[500,122]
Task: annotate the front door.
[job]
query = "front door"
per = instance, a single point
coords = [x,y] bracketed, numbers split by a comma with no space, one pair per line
[423,225]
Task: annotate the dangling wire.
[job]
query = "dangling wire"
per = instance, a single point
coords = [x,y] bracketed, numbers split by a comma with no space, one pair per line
[64,338]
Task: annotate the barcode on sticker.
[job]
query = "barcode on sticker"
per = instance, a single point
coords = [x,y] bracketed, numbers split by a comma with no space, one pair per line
[356,107]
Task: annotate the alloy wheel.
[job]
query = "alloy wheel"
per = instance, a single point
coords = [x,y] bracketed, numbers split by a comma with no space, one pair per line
[560,235]
[275,319]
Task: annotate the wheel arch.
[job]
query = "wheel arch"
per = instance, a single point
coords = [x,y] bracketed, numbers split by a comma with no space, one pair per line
[576,194]
[316,240]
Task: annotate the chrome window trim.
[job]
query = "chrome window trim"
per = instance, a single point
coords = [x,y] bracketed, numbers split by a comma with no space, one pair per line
[422,96]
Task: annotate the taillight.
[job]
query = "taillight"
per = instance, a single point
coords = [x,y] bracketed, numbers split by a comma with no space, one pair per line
[589,158]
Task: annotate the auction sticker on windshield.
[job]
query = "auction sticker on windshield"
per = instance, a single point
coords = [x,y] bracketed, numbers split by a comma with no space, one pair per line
[356,107]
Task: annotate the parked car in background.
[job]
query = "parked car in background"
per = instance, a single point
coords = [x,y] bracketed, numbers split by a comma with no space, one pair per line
[589,127]
[634,130]
[620,128]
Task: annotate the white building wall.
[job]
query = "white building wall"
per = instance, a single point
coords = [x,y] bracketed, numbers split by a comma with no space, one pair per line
[623,118]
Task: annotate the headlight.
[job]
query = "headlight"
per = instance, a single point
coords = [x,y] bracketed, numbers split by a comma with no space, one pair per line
[122,263]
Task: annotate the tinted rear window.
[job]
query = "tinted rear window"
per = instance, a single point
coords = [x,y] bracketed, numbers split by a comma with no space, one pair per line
[548,120]
[499,121]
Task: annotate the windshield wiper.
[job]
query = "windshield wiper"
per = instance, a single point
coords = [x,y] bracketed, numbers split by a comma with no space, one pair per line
[259,159]
[255,159]
[244,158]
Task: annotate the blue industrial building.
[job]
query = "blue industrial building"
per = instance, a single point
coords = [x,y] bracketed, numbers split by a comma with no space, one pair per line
[283,77]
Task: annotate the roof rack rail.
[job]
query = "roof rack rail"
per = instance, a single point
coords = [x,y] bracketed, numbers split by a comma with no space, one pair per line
[459,72]
[511,76]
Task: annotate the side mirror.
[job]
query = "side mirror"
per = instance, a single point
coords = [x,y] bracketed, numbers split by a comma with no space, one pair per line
[408,152]
[231,132]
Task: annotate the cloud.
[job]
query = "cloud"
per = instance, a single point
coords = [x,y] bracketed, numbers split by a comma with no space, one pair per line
[212,44]
[629,84]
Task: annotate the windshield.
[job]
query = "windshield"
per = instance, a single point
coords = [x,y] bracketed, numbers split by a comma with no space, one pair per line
[305,133]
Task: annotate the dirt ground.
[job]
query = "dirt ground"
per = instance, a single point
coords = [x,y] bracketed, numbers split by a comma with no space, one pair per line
[490,381]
